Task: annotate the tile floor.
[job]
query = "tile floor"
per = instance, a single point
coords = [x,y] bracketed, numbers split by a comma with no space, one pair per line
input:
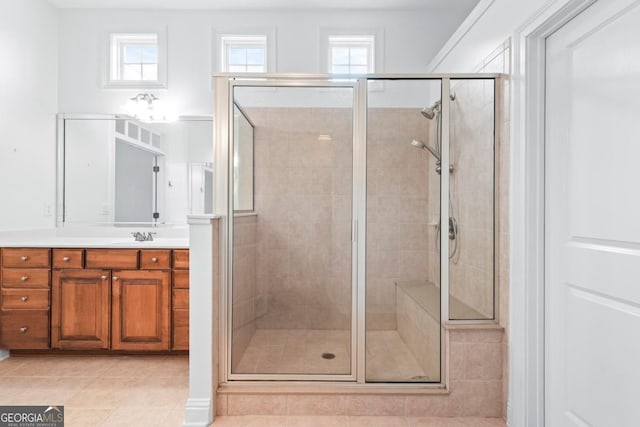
[293,351]
[100,390]
[360,421]
[141,391]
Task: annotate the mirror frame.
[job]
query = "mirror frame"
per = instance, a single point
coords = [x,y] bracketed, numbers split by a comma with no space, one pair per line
[60,165]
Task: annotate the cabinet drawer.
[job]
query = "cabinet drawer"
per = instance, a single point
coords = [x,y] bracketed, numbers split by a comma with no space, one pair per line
[68,258]
[112,258]
[181,279]
[25,278]
[155,259]
[24,329]
[181,258]
[29,258]
[25,299]
[180,329]
[181,298]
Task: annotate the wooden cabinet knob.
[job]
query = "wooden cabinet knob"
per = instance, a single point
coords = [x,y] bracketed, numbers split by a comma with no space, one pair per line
[24,329]
[115,278]
[24,278]
[154,259]
[24,257]
[24,299]
[103,277]
[66,259]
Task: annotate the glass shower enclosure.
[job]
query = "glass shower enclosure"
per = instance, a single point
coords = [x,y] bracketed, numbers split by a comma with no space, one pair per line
[337,263]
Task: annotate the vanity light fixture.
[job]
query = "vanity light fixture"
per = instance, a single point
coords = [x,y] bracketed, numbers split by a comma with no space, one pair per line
[147,107]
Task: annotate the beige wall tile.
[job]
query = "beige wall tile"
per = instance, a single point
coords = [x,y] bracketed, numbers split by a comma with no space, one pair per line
[377,405]
[257,404]
[483,361]
[316,405]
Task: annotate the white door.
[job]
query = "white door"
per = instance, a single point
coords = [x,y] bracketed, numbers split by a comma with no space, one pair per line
[593,219]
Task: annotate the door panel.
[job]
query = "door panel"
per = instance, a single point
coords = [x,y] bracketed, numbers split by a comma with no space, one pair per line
[80,309]
[140,310]
[593,233]
[292,277]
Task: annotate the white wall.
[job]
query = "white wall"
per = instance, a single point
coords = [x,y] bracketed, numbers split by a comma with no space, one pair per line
[411,38]
[28,103]
[495,25]
[466,51]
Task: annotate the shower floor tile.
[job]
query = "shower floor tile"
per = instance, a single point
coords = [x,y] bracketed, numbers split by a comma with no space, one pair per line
[389,359]
[300,351]
[296,351]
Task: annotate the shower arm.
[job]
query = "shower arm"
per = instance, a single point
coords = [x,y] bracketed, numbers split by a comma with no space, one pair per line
[433,152]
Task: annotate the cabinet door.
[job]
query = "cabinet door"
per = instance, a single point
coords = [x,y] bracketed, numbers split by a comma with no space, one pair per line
[140,303]
[80,309]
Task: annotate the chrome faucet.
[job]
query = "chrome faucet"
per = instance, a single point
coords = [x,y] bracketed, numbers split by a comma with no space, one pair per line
[142,237]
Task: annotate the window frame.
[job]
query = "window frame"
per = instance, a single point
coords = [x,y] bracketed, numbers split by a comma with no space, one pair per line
[114,57]
[376,53]
[352,42]
[229,41]
[219,49]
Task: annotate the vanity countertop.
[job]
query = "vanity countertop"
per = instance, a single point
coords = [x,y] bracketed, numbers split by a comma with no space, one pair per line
[51,239]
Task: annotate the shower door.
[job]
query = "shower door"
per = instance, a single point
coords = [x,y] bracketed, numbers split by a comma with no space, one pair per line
[291,302]
[403,264]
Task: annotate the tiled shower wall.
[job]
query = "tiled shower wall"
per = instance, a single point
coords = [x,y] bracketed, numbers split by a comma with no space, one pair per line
[399,245]
[303,180]
[471,269]
[303,204]
[244,283]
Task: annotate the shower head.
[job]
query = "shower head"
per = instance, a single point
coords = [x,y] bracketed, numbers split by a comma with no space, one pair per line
[434,110]
[418,144]
[428,112]
[423,146]
[431,112]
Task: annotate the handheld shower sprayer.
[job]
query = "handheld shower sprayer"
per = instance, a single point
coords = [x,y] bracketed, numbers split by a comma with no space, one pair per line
[421,145]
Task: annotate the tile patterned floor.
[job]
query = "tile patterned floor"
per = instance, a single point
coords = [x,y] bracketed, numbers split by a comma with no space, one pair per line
[100,390]
[141,391]
[361,421]
[293,351]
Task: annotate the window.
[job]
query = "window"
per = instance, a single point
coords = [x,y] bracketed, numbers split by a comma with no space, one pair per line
[136,60]
[351,54]
[243,54]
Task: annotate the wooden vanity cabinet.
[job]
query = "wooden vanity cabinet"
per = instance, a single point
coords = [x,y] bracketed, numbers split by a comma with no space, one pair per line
[80,309]
[180,300]
[94,299]
[120,301]
[25,284]
[140,310]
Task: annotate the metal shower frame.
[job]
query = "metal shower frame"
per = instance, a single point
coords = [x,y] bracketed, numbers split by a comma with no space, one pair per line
[223,85]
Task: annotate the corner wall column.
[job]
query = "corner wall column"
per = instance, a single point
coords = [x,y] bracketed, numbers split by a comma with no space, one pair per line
[203,284]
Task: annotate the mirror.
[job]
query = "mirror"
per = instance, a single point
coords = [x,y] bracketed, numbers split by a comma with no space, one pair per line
[242,161]
[118,170]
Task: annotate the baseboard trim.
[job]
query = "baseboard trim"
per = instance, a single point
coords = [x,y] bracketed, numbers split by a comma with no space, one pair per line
[198,413]
[4,354]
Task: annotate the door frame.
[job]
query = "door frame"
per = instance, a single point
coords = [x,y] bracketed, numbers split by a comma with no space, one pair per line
[358,225]
[526,401]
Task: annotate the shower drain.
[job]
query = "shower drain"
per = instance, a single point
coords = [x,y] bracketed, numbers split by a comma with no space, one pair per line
[420,378]
[328,356]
